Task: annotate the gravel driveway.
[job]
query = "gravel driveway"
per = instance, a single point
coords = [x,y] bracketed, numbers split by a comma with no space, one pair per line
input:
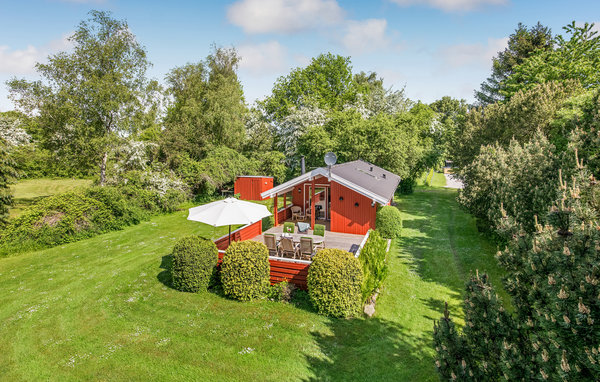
[452,182]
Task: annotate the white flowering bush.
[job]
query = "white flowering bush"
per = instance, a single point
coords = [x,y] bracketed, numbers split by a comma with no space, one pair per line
[296,124]
[12,133]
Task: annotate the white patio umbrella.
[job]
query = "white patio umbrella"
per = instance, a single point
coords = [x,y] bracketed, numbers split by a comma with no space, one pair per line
[229,212]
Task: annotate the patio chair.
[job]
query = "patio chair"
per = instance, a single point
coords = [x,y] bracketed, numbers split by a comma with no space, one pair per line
[307,248]
[288,227]
[297,213]
[271,243]
[319,230]
[287,247]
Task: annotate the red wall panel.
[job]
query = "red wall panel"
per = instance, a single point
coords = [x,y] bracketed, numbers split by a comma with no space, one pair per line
[250,187]
[346,217]
[244,233]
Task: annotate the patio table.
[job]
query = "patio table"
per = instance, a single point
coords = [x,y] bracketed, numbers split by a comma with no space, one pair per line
[296,237]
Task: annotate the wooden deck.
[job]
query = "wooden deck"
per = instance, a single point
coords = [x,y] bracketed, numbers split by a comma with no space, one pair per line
[346,241]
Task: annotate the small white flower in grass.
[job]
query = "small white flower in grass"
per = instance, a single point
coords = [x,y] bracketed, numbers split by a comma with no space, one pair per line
[268,326]
[163,342]
[132,299]
[246,351]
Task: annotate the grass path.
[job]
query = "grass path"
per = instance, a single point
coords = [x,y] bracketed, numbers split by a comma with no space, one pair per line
[100,309]
[26,192]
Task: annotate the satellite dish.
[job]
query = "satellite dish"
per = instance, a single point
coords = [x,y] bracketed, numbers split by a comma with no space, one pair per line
[330,159]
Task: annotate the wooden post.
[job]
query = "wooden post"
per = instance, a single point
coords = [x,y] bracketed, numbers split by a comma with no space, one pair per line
[285,200]
[275,211]
[312,205]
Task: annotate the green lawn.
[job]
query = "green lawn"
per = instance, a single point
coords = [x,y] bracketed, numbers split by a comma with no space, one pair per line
[99,309]
[29,191]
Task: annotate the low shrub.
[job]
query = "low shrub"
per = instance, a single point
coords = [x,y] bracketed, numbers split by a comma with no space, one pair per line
[428,178]
[335,278]
[194,262]
[407,185]
[389,222]
[245,270]
[55,220]
[282,292]
[80,214]
[372,258]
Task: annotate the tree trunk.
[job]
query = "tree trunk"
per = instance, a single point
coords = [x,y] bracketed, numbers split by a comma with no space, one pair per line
[103,168]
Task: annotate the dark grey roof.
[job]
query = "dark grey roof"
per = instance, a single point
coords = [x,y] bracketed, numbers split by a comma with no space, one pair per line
[368,176]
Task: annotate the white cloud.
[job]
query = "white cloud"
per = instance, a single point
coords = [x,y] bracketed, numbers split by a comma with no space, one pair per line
[22,61]
[595,28]
[365,36]
[284,16]
[264,58]
[473,54]
[451,5]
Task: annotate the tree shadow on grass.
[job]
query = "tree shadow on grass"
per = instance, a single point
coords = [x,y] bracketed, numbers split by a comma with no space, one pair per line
[371,350]
[164,276]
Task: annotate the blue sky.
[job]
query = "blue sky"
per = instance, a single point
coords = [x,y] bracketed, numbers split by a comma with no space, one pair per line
[431,48]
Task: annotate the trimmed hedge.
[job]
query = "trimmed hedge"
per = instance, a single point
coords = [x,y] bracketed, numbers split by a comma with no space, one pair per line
[80,214]
[335,278]
[372,257]
[194,261]
[245,270]
[388,222]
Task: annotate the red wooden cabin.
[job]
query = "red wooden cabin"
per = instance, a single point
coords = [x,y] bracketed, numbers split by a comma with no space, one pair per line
[250,187]
[345,195]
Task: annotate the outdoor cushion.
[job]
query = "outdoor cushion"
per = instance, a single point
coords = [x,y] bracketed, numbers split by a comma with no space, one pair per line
[288,227]
[319,230]
[303,227]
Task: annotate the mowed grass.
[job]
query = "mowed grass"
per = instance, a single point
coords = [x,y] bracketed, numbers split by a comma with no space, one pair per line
[27,192]
[102,309]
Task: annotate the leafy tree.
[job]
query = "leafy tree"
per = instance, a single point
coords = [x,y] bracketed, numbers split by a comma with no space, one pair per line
[553,278]
[91,96]
[521,44]
[577,58]
[398,142]
[518,118]
[295,125]
[208,109]
[8,175]
[326,83]
[519,181]
[220,166]
[451,114]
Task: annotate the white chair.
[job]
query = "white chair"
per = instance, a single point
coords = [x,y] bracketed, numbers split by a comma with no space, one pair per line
[297,213]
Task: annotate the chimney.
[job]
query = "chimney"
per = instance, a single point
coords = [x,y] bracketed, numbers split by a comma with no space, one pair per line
[302,165]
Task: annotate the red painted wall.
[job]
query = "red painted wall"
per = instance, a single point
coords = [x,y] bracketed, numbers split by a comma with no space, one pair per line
[244,233]
[345,216]
[295,273]
[284,214]
[250,187]
[298,191]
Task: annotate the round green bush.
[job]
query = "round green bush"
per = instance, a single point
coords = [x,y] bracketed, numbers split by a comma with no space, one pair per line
[194,261]
[334,281]
[245,270]
[388,222]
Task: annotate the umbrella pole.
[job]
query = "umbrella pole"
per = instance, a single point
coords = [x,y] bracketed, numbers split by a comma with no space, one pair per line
[230,234]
